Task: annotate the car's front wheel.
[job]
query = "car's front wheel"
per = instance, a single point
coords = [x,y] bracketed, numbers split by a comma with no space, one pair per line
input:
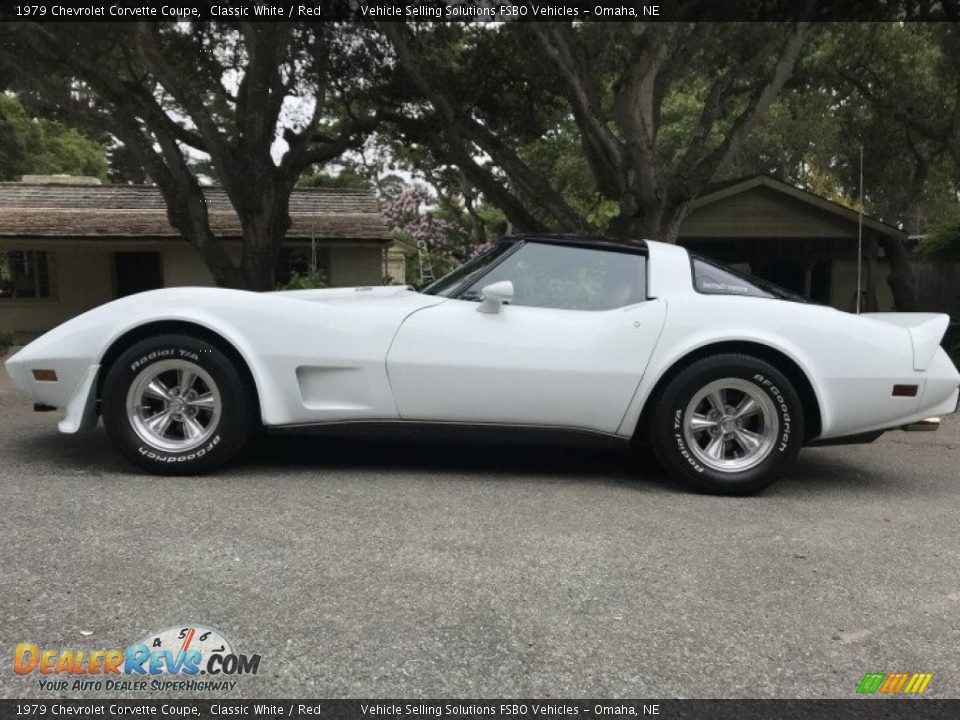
[177,405]
[727,424]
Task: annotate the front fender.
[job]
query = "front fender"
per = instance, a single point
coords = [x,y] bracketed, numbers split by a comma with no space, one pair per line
[310,361]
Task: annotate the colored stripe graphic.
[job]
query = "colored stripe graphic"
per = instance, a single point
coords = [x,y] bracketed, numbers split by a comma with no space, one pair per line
[918,683]
[894,683]
[871,682]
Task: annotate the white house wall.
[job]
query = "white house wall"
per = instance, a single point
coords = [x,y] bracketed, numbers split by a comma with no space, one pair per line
[80,279]
[82,276]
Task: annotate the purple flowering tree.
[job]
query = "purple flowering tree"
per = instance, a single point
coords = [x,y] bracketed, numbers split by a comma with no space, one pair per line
[440,238]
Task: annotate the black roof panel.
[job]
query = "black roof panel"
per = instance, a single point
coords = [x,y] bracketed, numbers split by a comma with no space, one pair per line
[601,241]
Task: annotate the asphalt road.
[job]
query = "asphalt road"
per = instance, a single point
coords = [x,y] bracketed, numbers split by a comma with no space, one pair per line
[361,570]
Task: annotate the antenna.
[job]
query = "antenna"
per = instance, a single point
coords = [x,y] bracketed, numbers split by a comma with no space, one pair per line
[860,237]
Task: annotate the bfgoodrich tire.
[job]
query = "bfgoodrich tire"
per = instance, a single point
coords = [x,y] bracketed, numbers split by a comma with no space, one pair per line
[177,405]
[727,425]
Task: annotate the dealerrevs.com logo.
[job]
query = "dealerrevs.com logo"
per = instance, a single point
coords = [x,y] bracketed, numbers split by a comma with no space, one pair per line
[190,657]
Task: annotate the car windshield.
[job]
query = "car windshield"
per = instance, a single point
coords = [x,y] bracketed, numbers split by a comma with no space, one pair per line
[448,285]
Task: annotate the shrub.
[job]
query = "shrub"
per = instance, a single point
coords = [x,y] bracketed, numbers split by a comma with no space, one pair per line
[309,280]
[942,243]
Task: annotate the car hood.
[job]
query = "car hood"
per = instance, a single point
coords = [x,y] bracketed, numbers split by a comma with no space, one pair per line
[347,294]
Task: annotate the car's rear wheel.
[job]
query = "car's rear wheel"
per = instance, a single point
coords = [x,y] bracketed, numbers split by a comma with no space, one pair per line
[177,405]
[727,424]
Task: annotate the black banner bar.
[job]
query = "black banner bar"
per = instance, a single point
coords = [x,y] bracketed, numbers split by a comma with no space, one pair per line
[471,10]
[880,708]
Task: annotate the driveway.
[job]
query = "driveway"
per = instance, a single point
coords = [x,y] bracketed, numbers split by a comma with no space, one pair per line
[365,569]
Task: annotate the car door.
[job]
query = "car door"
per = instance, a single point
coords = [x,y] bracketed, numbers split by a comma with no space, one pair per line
[569,349]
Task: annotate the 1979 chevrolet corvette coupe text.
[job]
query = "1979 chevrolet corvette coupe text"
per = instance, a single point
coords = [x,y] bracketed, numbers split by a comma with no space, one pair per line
[562,337]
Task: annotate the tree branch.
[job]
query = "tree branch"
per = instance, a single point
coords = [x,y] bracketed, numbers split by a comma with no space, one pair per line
[463,131]
[604,150]
[704,170]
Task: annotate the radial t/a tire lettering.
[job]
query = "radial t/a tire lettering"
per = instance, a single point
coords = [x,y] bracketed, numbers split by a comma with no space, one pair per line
[177,405]
[727,425]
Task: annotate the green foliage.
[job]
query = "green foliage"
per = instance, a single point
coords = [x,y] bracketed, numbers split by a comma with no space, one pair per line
[310,280]
[943,243]
[6,341]
[882,82]
[210,98]
[887,87]
[124,167]
[31,146]
[850,89]
[441,263]
[558,156]
[345,180]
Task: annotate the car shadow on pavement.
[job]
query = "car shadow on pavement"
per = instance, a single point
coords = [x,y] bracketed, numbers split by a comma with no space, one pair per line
[86,452]
[508,459]
[93,453]
[815,472]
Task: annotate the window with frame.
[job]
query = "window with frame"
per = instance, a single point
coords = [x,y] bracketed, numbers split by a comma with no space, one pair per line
[25,275]
[301,260]
[711,278]
[568,277]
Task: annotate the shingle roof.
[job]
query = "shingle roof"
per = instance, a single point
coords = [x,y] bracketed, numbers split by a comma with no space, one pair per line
[63,211]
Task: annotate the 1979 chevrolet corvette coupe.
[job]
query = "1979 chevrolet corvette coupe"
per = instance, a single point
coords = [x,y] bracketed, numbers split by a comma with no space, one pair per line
[554,336]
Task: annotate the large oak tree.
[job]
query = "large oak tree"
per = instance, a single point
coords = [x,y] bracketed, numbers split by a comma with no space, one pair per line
[659,108]
[261,102]
[908,77]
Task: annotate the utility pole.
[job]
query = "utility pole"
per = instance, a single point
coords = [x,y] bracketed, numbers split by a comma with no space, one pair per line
[860,237]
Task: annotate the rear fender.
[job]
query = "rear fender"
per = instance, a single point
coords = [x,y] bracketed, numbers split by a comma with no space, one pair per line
[926,331]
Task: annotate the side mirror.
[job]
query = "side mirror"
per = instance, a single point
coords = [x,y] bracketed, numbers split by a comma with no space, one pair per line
[495,295]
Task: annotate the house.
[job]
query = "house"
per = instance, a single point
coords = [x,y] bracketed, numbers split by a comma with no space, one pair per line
[67,245]
[70,245]
[791,237]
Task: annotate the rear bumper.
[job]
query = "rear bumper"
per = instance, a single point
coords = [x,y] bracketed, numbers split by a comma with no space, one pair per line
[931,417]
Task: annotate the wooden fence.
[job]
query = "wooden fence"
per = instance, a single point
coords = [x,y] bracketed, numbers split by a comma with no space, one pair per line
[938,287]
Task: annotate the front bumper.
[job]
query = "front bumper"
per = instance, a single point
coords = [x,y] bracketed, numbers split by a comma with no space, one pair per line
[74,389]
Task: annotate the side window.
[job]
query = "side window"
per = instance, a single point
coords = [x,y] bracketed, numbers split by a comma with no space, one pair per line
[715,280]
[568,277]
[25,274]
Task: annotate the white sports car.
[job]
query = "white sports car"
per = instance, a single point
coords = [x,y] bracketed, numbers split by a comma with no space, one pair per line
[550,336]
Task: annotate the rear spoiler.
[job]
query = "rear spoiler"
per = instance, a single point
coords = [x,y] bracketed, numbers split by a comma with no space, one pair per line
[926,331]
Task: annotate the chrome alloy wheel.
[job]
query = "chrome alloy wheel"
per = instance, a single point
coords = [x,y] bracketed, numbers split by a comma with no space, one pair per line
[731,425]
[174,405]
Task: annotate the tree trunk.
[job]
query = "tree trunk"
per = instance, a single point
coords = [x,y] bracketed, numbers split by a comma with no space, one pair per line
[259,253]
[265,221]
[186,211]
[257,267]
[225,274]
[900,278]
[659,222]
